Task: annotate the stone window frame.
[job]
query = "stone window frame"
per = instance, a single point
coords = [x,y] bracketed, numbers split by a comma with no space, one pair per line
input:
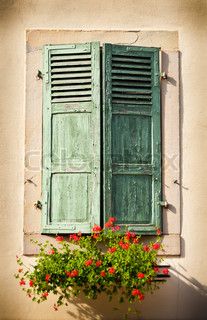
[170,106]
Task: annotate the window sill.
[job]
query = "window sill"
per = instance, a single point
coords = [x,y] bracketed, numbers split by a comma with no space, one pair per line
[171,243]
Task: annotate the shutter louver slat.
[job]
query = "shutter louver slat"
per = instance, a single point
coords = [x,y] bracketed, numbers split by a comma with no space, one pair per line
[71,87]
[130,59]
[137,72]
[71,93]
[71,69]
[70,57]
[125,65]
[134,84]
[71,81]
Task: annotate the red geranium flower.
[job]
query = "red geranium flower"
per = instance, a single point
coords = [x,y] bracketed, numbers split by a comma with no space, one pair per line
[130,235]
[103,273]
[95,235]
[45,294]
[68,274]
[98,263]
[51,251]
[135,292]
[47,277]
[88,262]
[165,271]
[74,273]
[156,269]
[141,296]
[146,248]
[59,238]
[112,270]
[123,245]
[156,246]
[158,232]
[136,240]
[31,283]
[22,282]
[112,250]
[74,237]
[112,219]
[116,228]
[108,224]
[140,275]
[96,229]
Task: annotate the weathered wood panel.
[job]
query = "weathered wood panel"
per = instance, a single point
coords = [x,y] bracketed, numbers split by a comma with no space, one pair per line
[132,155]
[71,138]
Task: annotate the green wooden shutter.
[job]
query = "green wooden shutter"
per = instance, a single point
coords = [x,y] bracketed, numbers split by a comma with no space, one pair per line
[71,138]
[132,155]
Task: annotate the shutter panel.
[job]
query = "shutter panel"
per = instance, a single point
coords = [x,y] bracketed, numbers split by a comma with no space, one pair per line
[132,155]
[71,138]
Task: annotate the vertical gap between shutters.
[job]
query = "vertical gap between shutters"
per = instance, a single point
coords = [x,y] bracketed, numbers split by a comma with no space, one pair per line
[101,139]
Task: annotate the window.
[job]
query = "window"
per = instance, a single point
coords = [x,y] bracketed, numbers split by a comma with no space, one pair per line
[101,137]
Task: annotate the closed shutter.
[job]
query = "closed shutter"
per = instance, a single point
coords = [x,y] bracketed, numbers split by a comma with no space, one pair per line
[132,155]
[71,138]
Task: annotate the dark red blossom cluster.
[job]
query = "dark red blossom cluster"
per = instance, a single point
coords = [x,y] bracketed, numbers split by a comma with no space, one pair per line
[59,238]
[96,229]
[124,245]
[156,246]
[110,222]
[138,293]
[45,294]
[88,262]
[112,250]
[31,283]
[129,235]
[98,263]
[72,274]
[165,271]
[22,282]
[47,277]
[112,270]
[52,251]
[75,237]
[103,273]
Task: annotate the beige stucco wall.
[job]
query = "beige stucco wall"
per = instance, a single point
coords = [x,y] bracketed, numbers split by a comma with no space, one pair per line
[184,296]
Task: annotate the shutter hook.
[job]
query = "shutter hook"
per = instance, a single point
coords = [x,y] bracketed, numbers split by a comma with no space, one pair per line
[164,204]
[39,75]
[38,205]
[163,75]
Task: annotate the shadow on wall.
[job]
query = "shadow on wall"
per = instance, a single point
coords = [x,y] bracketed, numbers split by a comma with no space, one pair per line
[176,299]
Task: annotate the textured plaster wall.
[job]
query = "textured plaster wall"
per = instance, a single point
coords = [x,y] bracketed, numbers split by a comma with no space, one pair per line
[184,297]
